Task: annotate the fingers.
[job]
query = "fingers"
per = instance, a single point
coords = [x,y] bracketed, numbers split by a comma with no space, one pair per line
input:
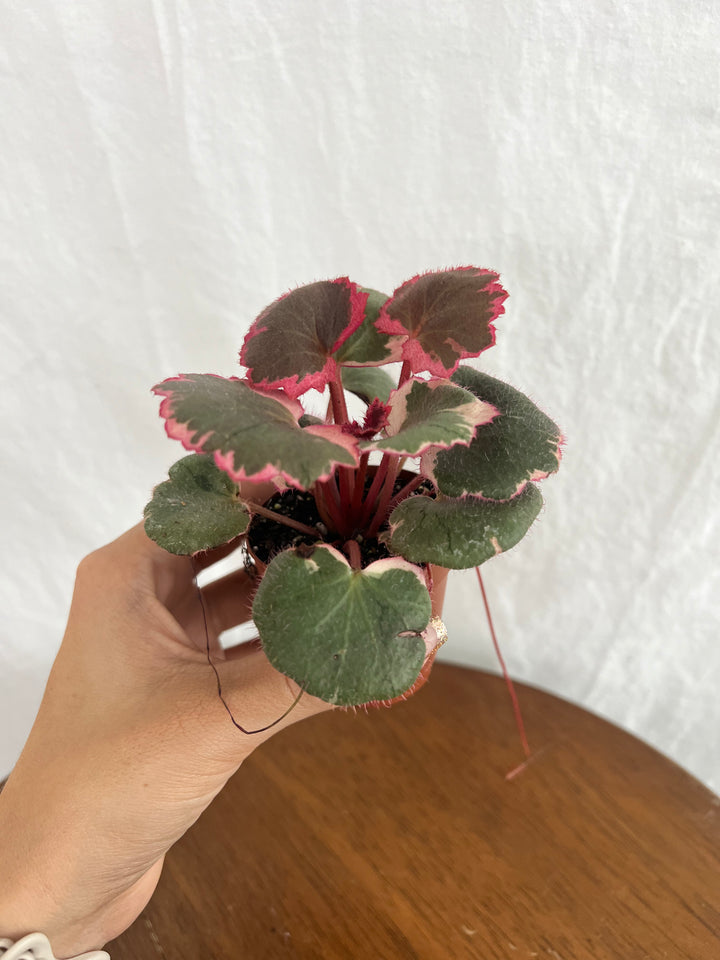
[144,563]
[135,542]
[228,601]
[206,558]
[143,558]
[241,650]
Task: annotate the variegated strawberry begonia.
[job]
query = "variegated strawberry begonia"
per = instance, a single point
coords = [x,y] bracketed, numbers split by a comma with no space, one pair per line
[349,629]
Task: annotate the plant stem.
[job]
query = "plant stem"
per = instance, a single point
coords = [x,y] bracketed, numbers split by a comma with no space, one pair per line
[352,549]
[405,373]
[381,512]
[405,492]
[506,675]
[322,507]
[337,398]
[361,473]
[344,481]
[378,480]
[281,518]
[340,415]
[383,515]
[332,499]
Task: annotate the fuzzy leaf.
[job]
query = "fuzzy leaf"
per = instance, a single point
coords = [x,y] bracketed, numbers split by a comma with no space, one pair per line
[196,509]
[367,345]
[447,316]
[292,342]
[368,383]
[461,533]
[431,412]
[308,420]
[335,630]
[253,434]
[520,444]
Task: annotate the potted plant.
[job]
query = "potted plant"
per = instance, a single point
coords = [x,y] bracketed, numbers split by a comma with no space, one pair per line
[351,554]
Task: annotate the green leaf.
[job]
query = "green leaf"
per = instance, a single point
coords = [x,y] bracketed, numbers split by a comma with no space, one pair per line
[196,509]
[368,383]
[430,412]
[461,533]
[519,445]
[336,631]
[308,420]
[446,315]
[291,344]
[253,434]
[367,345]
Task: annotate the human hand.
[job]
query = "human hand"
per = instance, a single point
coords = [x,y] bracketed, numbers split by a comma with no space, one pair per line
[131,742]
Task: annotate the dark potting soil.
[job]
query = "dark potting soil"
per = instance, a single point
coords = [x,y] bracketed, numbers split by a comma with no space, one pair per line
[267,538]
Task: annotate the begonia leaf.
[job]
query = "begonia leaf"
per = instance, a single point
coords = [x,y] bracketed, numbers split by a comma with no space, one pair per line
[430,412]
[292,342]
[368,383]
[197,508]
[519,445]
[367,345]
[309,420]
[461,533]
[253,434]
[446,315]
[346,636]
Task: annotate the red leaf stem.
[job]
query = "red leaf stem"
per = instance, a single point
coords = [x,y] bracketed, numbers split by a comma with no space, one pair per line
[405,372]
[506,675]
[334,505]
[385,494]
[344,474]
[360,474]
[405,492]
[375,487]
[281,518]
[322,507]
[352,549]
[337,398]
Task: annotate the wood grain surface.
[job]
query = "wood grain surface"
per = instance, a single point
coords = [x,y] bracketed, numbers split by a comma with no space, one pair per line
[396,835]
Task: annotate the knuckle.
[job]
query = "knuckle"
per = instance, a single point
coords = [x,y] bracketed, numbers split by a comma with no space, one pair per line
[91,566]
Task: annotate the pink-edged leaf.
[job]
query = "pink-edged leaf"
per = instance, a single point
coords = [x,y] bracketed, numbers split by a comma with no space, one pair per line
[427,413]
[291,343]
[346,636]
[253,434]
[464,532]
[446,315]
[334,433]
[368,347]
[521,444]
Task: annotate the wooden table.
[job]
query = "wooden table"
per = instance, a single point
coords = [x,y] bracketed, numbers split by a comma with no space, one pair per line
[396,835]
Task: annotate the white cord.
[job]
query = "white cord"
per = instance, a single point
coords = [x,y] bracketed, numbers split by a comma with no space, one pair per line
[36,946]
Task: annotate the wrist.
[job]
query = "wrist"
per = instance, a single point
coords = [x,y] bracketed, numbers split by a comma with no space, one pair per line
[37,945]
[26,907]
[69,935]
[41,879]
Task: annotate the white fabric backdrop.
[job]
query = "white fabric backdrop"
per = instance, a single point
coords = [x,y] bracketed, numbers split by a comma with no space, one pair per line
[168,168]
